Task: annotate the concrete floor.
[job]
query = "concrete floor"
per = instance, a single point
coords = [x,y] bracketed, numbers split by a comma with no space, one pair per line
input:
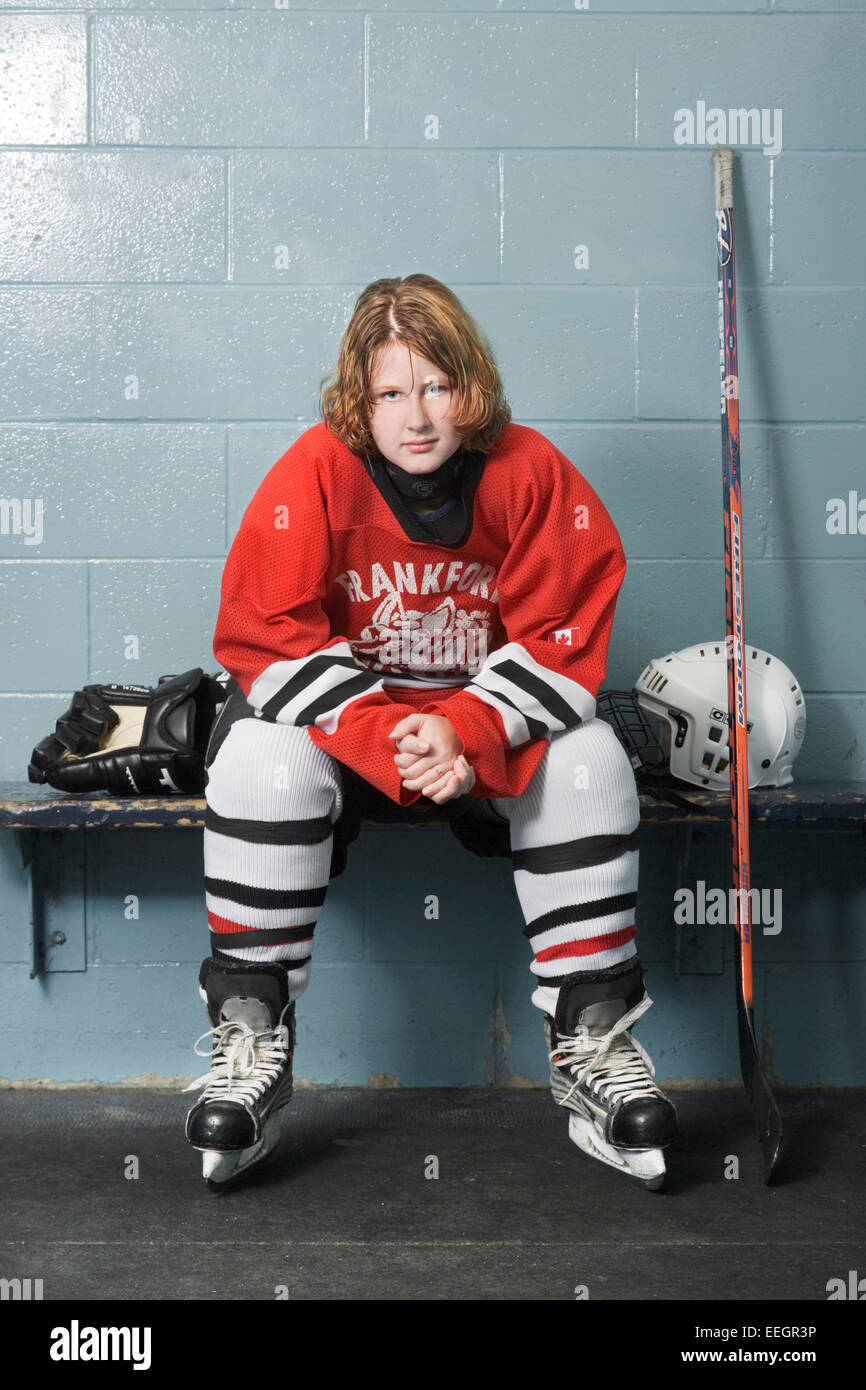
[342,1208]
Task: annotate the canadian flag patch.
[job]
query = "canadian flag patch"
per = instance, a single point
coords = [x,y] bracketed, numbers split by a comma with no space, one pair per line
[565,636]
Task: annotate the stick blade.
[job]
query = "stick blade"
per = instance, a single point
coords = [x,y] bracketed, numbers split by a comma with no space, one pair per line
[765,1111]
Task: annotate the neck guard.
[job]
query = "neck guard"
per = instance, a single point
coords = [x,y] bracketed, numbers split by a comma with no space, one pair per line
[420,487]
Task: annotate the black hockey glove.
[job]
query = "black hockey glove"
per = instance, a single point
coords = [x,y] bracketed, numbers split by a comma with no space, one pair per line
[131,740]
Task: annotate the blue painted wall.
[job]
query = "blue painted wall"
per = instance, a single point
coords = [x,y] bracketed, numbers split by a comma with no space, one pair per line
[192,198]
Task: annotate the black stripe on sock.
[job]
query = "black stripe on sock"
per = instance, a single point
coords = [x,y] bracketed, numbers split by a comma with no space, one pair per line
[248,895]
[579,912]
[312,831]
[288,936]
[574,854]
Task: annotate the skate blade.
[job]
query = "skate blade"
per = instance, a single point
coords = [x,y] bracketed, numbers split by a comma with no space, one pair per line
[646,1166]
[220,1170]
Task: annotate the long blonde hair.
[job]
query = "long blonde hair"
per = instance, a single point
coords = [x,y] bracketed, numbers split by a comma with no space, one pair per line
[429,319]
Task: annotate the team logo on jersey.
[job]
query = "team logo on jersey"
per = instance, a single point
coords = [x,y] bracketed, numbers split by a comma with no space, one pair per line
[565,637]
[446,641]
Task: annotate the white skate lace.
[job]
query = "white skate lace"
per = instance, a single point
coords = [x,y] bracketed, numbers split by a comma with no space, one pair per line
[613,1067]
[244,1062]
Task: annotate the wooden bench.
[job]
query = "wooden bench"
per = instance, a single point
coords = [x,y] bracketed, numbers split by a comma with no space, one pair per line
[31,810]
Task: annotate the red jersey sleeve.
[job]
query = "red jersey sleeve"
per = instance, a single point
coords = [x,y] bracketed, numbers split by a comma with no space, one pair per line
[557,587]
[273,634]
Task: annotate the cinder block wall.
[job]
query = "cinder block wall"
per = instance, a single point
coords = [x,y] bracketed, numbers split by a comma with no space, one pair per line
[192,199]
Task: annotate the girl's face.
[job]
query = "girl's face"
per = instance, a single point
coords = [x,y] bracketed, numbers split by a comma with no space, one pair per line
[411,398]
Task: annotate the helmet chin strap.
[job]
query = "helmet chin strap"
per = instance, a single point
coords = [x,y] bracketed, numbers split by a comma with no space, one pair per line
[419,487]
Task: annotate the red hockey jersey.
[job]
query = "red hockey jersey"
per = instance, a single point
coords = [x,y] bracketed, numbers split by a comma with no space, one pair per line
[340,610]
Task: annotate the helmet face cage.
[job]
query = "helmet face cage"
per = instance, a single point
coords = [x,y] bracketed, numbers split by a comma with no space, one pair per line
[648,751]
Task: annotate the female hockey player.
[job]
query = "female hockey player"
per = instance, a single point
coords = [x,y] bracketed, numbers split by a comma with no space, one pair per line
[422,591]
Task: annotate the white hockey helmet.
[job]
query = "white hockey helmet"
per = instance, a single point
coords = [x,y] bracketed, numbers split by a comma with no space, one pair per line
[687,692]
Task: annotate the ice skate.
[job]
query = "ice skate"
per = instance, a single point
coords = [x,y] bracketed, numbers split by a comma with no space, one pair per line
[597,1070]
[236,1122]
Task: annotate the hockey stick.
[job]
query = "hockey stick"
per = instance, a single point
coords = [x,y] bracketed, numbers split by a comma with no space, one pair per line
[764,1108]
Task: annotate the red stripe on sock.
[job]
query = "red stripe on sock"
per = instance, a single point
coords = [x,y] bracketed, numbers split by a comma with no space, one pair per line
[590,946]
[224,926]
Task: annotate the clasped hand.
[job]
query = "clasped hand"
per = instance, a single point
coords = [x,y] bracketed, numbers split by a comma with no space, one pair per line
[429,757]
